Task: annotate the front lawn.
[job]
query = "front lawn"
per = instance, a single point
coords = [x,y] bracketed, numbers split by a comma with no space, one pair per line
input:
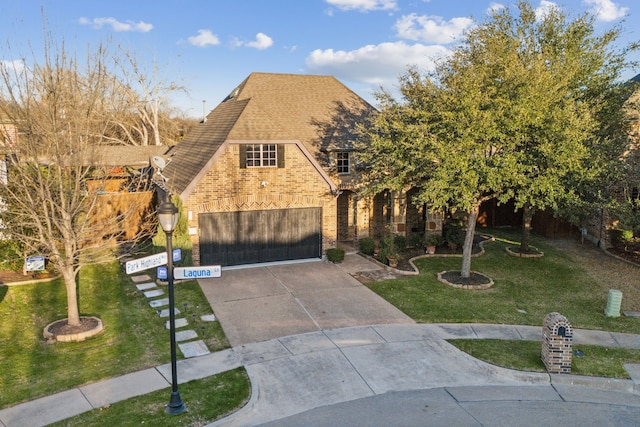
[134,337]
[525,290]
[594,360]
[206,400]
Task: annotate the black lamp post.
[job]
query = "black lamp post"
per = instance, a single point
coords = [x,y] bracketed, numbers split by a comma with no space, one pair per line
[168,217]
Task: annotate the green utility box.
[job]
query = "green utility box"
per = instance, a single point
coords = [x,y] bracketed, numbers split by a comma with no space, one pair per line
[613,303]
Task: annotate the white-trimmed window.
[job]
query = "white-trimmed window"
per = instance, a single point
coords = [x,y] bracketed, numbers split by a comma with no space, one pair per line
[343,162]
[261,155]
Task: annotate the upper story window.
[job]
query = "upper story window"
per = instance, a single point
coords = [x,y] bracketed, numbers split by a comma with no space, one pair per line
[343,162]
[261,156]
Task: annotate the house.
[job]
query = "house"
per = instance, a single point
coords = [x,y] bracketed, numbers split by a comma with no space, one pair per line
[598,226]
[119,168]
[598,229]
[8,141]
[120,178]
[271,173]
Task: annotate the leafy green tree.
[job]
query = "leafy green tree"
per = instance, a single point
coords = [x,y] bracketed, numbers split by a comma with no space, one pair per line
[429,142]
[565,108]
[518,111]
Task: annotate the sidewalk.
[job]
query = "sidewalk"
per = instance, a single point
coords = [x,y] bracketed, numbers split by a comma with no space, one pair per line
[299,373]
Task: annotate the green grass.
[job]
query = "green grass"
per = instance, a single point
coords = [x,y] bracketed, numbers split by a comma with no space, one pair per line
[206,400]
[536,286]
[134,337]
[525,291]
[598,361]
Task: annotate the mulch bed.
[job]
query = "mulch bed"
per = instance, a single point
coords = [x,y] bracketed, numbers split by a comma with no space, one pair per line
[474,279]
[627,255]
[12,277]
[17,277]
[403,262]
[62,327]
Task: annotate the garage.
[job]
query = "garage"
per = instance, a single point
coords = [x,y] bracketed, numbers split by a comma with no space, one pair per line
[249,237]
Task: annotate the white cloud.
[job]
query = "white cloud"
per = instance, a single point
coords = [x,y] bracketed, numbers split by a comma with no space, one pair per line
[261,42]
[544,9]
[431,29]
[204,38]
[375,64]
[606,10]
[363,5]
[117,26]
[494,7]
[15,67]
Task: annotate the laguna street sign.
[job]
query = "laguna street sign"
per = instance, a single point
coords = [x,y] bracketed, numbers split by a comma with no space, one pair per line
[202,272]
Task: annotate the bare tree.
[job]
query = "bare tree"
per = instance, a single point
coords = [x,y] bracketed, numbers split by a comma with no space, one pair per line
[63,109]
[142,97]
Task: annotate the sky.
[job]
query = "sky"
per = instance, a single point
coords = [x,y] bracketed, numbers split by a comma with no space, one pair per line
[210,46]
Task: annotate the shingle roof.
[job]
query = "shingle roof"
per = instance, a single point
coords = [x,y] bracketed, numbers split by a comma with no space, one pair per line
[193,155]
[319,111]
[119,155]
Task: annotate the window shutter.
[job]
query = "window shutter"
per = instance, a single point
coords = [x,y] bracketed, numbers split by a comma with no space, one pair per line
[243,156]
[280,154]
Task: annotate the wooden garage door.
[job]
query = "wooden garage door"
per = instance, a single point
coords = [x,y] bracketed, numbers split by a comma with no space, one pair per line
[235,238]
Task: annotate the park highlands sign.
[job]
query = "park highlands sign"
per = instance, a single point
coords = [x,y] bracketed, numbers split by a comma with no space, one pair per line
[151,261]
[158,260]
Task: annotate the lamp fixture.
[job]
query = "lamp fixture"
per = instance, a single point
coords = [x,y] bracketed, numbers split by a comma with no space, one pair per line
[168,216]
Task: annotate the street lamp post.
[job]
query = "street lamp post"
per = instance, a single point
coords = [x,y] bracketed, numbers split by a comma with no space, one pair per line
[168,217]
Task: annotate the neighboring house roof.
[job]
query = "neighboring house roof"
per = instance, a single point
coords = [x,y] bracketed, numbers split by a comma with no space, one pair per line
[318,111]
[121,155]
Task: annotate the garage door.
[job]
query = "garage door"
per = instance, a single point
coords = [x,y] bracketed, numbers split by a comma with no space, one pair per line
[236,238]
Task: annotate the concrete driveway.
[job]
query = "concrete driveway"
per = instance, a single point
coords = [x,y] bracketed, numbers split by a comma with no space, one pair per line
[256,304]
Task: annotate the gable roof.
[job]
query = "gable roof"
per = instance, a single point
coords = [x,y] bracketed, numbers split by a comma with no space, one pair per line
[318,111]
[194,154]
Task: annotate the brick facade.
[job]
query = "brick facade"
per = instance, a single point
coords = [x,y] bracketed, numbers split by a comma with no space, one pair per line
[228,188]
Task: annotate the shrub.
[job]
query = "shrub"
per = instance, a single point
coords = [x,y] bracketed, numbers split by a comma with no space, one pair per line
[416,240]
[433,240]
[400,242]
[335,255]
[621,238]
[367,246]
[453,232]
[387,250]
[11,255]
[383,255]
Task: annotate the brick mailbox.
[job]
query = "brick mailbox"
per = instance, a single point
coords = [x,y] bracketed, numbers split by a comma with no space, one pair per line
[557,337]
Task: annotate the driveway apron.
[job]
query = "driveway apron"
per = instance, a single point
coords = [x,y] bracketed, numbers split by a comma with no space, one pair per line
[260,303]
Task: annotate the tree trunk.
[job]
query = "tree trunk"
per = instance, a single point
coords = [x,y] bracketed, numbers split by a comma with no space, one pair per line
[73,313]
[527,216]
[467,249]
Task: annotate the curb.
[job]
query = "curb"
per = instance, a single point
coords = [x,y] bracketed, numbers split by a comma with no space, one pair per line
[606,384]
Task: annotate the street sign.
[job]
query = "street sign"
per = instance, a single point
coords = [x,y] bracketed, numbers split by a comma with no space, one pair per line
[34,263]
[177,255]
[202,272]
[146,263]
[162,273]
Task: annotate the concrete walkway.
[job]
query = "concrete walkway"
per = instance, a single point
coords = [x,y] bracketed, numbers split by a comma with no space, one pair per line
[322,369]
[267,301]
[321,349]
